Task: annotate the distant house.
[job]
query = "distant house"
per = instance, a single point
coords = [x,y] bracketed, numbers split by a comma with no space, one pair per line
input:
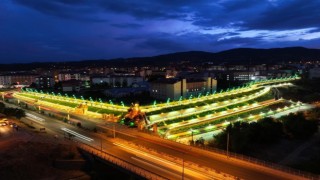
[73,75]
[71,86]
[17,79]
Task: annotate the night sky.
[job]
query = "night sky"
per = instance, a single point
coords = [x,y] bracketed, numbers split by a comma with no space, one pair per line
[66,30]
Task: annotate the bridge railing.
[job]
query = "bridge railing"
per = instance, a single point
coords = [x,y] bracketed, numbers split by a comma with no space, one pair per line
[244,158]
[119,162]
[263,163]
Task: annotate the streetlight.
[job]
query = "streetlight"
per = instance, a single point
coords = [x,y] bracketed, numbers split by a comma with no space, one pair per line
[228,145]
[154,103]
[192,141]
[68,115]
[100,144]
[182,174]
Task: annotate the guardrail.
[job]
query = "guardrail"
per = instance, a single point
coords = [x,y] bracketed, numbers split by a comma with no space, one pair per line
[119,162]
[250,160]
[271,165]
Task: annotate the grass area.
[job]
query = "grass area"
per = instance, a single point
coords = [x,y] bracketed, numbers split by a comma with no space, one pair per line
[231,118]
[73,105]
[202,114]
[203,103]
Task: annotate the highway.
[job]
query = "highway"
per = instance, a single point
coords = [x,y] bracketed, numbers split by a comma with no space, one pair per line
[198,164]
[171,171]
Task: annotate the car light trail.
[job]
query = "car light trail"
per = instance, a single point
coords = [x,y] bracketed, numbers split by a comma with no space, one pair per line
[172,165]
[77,134]
[158,168]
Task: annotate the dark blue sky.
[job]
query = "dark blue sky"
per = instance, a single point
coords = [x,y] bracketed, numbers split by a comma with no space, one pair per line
[64,30]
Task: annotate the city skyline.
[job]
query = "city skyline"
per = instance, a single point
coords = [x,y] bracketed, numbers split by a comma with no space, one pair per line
[63,30]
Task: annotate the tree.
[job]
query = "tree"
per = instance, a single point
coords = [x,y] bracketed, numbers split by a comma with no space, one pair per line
[2,106]
[313,114]
[57,85]
[33,85]
[297,126]
[239,137]
[124,83]
[19,113]
[200,142]
[243,136]
[117,84]
[266,130]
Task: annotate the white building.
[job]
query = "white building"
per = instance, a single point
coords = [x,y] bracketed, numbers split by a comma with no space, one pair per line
[176,88]
[17,78]
[74,75]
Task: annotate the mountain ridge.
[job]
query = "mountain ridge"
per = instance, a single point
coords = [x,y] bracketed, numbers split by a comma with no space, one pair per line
[231,56]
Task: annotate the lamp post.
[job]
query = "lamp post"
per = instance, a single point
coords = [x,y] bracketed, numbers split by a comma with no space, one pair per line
[192,141]
[101,145]
[182,174]
[228,145]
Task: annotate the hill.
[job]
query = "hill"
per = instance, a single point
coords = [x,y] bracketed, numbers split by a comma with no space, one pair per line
[232,56]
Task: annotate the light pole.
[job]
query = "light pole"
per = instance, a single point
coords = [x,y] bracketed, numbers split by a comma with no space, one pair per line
[101,145]
[228,145]
[68,115]
[192,137]
[182,175]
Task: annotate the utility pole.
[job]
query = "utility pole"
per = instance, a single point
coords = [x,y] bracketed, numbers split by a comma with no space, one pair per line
[182,175]
[114,131]
[192,137]
[101,145]
[228,145]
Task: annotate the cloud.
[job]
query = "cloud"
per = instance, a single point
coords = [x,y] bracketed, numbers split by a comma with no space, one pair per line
[65,9]
[291,14]
[127,25]
[76,29]
[243,14]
